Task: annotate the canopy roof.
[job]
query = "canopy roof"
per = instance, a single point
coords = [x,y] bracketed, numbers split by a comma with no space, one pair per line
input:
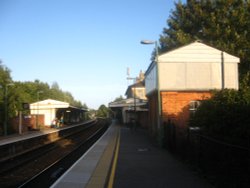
[128,102]
[52,104]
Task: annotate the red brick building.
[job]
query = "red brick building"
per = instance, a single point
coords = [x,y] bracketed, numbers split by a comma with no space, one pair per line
[181,79]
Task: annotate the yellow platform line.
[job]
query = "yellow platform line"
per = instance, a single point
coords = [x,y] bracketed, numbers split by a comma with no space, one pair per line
[112,174]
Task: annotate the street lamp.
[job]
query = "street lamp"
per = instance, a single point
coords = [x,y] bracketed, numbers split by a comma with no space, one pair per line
[6,108]
[38,93]
[146,42]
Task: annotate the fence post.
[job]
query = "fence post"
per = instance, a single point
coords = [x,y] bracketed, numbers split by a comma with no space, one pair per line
[20,123]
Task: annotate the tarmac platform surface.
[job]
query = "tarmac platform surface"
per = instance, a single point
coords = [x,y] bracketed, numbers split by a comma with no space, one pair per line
[142,164]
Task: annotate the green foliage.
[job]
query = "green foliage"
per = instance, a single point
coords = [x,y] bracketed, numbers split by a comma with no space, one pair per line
[223,24]
[91,114]
[117,99]
[5,76]
[28,92]
[219,23]
[5,81]
[225,114]
[103,111]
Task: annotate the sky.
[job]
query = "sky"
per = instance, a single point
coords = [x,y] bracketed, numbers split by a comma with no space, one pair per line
[85,46]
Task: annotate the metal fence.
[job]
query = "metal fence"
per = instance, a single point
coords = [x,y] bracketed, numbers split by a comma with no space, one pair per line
[226,165]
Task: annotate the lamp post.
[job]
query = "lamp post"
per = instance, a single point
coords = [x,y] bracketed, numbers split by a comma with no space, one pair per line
[146,42]
[38,93]
[222,71]
[6,108]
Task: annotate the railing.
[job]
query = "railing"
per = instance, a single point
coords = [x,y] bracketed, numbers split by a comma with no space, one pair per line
[223,164]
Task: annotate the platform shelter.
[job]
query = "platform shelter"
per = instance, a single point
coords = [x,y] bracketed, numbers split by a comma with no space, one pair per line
[55,111]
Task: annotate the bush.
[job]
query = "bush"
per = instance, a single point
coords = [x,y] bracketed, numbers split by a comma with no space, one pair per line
[226,114]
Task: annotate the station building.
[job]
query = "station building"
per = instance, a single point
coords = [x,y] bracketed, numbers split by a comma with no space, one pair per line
[130,109]
[135,106]
[181,79]
[49,112]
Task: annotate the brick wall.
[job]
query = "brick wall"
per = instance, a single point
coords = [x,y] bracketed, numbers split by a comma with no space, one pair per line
[175,109]
[28,122]
[175,105]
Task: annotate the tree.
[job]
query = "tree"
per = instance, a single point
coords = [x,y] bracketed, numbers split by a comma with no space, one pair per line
[120,98]
[219,23]
[5,76]
[5,81]
[27,92]
[103,111]
[226,115]
[55,86]
[223,24]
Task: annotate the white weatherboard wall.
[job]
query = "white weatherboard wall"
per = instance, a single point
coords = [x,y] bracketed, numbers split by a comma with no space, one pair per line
[48,109]
[197,76]
[194,67]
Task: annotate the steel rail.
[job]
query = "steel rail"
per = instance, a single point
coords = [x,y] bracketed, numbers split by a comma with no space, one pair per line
[24,158]
[50,174]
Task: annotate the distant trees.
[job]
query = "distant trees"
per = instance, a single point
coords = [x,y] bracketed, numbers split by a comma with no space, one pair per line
[120,98]
[4,74]
[5,81]
[27,92]
[103,111]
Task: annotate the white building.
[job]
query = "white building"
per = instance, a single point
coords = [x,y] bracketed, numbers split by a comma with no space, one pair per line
[186,76]
[196,66]
[52,109]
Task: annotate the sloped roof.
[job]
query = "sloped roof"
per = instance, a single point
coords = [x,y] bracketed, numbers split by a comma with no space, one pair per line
[140,84]
[128,102]
[49,103]
[197,52]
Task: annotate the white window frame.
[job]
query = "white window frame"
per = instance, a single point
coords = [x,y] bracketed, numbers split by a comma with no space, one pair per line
[194,105]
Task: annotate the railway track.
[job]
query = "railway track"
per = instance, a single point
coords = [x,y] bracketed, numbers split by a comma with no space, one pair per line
[41,167]
[18,161]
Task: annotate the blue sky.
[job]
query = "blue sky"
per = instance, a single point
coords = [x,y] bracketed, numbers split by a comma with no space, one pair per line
[83,45]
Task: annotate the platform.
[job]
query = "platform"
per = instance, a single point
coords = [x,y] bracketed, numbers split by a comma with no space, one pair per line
[126,159]
[18,144]
[4,140]
[92,169]
[143,164]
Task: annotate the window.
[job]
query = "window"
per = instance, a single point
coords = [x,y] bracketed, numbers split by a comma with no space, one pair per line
[140,93]
[193,106]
